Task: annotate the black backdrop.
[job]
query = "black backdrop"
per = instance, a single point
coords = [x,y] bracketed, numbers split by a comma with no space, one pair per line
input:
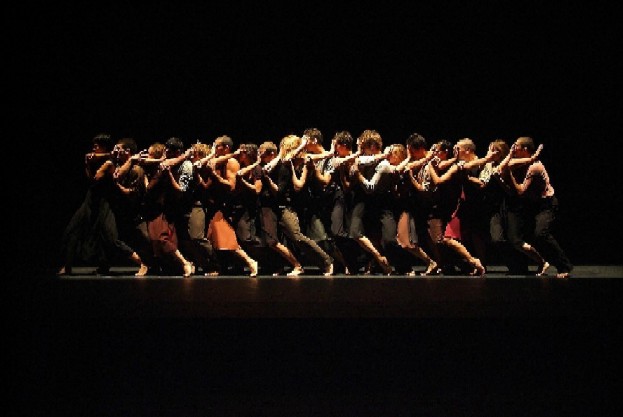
[444,69]
[257,72]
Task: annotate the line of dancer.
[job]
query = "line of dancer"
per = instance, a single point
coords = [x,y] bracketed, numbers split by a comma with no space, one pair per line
[357,208]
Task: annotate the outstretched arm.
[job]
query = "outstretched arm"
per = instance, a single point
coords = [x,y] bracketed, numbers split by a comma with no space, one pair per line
[478,162]
[514,162]
[223,158]
[178,159]
[297,150]
[436,178]
[337,162]
[418,163]
[268,168]
[245,170]
[207,158]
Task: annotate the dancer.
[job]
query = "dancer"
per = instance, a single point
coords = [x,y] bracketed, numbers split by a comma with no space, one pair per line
[161,202]
[269,211]
[541,206]
[91,235]
[220,181]
[370,144]
[194,243]
[406,194]
[127,202]
[284,187]
[444,223]
[324,195]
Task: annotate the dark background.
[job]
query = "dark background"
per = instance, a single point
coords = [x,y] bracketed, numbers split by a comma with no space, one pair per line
[257,72]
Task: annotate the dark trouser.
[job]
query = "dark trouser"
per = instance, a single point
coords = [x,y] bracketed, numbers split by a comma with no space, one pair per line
[544,214]
[511,256]
[516,232]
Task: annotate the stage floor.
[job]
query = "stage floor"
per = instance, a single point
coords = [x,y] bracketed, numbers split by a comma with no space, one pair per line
[317,346]
[494,271]
[588,293]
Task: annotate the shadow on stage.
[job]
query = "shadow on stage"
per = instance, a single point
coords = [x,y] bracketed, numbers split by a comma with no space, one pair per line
[317,346]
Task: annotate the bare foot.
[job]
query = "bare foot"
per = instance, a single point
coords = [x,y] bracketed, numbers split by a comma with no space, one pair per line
[329,271]
[298,270]
[563,275]
[211,274]
[432,269]
[543,269]
[253,269]
[142,271]
[189,269]
[64,271]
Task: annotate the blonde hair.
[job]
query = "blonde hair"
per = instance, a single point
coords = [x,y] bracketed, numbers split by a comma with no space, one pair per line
[156,150]
[200,150]
[288,144]
[467,144]
[267,146]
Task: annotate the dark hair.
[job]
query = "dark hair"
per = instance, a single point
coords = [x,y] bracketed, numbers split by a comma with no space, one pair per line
[250,149]
[104,140]
[371,137]
[174,144]
[416,141]
[128,144]
[445,145]
[314,133]
[344,138]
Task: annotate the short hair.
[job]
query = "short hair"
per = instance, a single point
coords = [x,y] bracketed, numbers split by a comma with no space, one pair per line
[371,137]
[175,144]
[416,141]
[344,137]
[314,133]
[467,143]
[200,150]
[226,140]
[104,140]
[156,150]
[501,146]
[399,150]
[445,145]
[527,142]
[128,144]
[268,146]
[250,149]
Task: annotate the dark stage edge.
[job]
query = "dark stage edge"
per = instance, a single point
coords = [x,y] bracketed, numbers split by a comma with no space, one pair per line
[590,292]
[313,346]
